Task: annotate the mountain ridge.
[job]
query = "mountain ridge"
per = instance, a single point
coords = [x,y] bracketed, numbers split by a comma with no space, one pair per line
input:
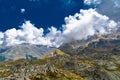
[97,58]
[108,41]
[23,51]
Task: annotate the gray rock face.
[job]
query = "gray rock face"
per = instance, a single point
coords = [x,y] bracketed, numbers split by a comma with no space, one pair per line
[98,46]
[23,51]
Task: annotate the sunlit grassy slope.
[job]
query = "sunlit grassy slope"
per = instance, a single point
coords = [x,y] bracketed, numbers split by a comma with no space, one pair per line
[61,66]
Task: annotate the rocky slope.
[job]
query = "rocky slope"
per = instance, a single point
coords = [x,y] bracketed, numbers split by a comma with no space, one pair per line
[62,67]
[97,58]
[108,44]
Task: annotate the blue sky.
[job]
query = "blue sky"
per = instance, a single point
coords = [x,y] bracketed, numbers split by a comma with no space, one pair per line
[42,13]
[54,22]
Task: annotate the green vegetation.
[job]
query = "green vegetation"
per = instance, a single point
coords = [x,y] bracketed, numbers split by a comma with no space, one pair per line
[62,66]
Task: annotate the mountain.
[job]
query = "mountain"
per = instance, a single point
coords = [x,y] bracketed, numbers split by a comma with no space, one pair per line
[61,67]
[95,58]
[23,51]
[108,44]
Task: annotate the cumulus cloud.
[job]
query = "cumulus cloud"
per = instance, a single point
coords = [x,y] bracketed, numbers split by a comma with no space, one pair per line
[110,8]
[30,34]
[54,36]
[86,23]
[77,27]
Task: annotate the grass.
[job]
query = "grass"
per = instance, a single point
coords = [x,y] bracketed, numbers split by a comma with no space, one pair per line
[67,67]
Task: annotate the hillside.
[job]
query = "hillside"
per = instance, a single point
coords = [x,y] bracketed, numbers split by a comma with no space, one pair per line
[97,58]
[108,44]
[62,67]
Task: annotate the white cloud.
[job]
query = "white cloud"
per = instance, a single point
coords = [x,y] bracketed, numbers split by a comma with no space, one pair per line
[86,23]
[1,37]
[30,34]
[76,27]
[112,24]
[54,36]
[111,8]
[115,3]
[22,10]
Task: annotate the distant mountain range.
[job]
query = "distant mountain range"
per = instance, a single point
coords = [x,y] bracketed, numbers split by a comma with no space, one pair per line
[23,51]
[106,45]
